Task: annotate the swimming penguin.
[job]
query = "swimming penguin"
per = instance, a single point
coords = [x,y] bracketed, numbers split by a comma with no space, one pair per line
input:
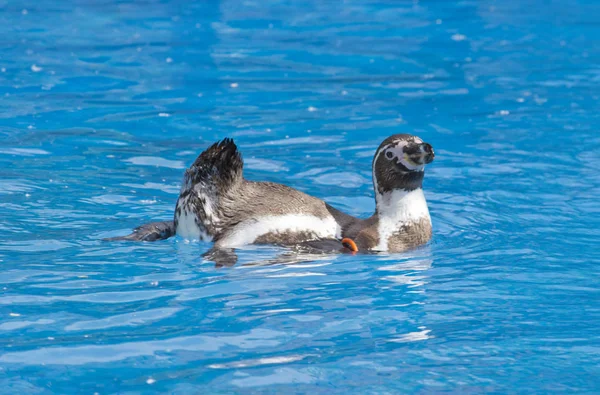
[216,203]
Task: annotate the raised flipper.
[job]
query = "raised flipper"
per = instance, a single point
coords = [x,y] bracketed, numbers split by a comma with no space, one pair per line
[149,232]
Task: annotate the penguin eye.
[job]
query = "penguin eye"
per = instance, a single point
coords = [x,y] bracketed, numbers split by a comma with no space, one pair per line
[389,154]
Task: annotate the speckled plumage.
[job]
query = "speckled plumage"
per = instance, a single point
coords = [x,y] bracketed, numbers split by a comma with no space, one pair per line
[217,204]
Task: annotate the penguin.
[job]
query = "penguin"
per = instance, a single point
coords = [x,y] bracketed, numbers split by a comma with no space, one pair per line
[217,204]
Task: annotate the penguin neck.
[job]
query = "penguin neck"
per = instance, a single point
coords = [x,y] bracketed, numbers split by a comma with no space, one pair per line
[399,207]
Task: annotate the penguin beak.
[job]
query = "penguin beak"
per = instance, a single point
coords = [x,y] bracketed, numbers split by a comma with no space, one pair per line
[420,154]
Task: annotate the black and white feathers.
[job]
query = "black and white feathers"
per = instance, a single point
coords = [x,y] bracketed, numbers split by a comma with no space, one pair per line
[217,204]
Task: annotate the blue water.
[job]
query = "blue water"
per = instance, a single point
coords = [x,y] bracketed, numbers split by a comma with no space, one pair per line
[104,103]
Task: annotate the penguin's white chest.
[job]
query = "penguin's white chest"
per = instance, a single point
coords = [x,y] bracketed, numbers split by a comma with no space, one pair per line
[398,209]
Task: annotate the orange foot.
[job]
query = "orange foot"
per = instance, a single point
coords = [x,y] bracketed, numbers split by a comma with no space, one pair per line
[349,244]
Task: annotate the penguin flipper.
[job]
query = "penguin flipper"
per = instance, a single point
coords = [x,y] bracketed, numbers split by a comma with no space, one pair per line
[152,231]
[327,246]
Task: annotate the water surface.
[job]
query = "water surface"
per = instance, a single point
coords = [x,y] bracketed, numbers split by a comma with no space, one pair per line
[105,103]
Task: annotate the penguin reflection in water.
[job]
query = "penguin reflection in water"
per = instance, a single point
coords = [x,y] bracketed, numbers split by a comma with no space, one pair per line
[218,204]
